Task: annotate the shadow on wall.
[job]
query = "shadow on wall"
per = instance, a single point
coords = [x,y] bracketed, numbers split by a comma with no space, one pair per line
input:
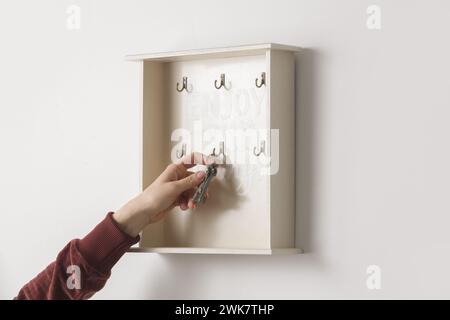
[223,197]
[187,276]
[307,139]
[197,276]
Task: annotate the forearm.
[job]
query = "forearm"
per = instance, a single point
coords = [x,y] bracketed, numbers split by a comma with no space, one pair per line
[95,255]
[131,219]
[88,261]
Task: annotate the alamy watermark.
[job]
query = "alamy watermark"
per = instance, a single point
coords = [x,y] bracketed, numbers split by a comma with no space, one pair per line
[232,124]
[74,279]
[373,281]
[73,20]
[373,21]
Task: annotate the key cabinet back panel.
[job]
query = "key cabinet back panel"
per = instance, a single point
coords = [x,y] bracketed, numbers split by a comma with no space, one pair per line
[239,102]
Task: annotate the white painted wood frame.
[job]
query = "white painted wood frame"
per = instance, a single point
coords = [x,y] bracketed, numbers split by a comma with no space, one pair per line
[248,211]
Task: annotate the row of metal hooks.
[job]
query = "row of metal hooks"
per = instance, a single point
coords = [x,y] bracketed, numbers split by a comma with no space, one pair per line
[256,152]
[221,83]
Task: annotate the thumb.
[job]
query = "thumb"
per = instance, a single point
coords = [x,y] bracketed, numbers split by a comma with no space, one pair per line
[190,182]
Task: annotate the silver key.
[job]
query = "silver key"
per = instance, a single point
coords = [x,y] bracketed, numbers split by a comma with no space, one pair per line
[200,193]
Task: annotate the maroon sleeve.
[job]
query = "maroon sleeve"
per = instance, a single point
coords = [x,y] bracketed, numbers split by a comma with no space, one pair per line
[83,266]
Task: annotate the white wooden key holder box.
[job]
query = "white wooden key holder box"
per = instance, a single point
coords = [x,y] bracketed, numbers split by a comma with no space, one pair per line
[237,103]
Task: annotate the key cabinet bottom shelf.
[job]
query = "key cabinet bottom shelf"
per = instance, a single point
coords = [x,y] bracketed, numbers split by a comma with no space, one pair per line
[188,250]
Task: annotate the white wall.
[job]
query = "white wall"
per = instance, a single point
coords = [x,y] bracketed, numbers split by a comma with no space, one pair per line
[373,127]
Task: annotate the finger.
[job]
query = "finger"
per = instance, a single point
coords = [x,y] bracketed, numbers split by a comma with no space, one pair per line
[190,194]
[173,172]
[184,199]
[191,204]
[184,205]
[191,181]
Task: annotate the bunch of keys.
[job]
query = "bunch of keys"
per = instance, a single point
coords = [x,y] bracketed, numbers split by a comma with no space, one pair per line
[200,193]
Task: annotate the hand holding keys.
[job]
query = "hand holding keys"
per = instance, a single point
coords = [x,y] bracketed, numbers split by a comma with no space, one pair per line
[200,194]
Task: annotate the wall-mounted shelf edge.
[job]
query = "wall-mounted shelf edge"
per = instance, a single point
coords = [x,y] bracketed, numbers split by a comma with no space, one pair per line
[186,250]
[211,53]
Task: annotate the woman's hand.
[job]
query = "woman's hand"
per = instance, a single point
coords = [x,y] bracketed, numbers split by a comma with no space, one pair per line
[174,187]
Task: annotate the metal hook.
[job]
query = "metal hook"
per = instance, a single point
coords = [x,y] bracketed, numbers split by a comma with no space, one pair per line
[183,151]
[222,82]
[184,87]
[262,82]
[262,149]
[221,148]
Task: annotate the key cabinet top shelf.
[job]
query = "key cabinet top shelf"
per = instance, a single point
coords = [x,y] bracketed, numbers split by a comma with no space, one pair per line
[238,103]
[217,250]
